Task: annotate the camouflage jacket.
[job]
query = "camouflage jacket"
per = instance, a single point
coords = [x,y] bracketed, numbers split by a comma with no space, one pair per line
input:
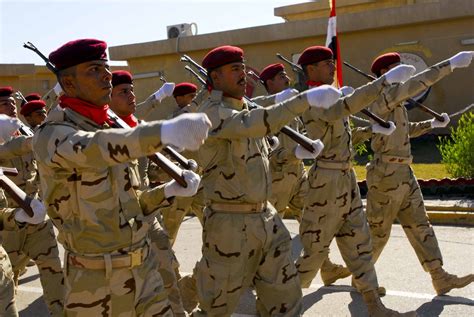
[235,157]
[332,126]
[18,153]
[389,107]
[90,182]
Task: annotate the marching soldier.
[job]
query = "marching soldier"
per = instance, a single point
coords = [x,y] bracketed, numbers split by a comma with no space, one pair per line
[90,183]
[30,241]
[393,191]
[34,112]
[333,207]
[289,177]
[157,106]
[244,240]
[123,103]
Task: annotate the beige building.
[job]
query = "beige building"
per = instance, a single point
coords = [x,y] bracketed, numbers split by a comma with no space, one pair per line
[425,31]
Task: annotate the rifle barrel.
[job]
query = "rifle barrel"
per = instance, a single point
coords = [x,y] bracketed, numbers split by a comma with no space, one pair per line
[17,194]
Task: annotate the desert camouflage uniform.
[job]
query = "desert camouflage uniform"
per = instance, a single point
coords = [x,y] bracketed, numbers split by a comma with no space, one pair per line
[333,207]
[36,242]
[7,284]
[244,240]
[393,191]
[90,183]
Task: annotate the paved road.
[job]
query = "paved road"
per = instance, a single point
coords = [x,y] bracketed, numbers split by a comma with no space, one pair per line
[408,286]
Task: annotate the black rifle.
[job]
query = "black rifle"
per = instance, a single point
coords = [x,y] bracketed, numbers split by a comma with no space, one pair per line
[411,101]
[297,69]
[295,136]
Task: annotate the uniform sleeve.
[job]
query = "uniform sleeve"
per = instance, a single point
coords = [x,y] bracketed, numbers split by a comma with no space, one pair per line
[416,129]
[62,146]
[361,134]
[395,94]
[18,146]
[145,108]
[351,104]
[153,199]
[229,123]
[264,101]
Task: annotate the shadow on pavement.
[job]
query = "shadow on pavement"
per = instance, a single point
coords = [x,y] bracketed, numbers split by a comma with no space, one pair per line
[37,308]
[356,307]
[28,279]
[436,306]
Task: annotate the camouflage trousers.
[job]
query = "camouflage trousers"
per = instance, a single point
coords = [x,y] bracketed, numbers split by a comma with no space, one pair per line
[289,189]
[167,266]
[333,208]
[394,193]
[38,242]
[240,250]
[7,287]
[136,291]
[172,216]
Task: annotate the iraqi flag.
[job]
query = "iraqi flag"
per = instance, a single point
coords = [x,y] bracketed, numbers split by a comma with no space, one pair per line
[333,43]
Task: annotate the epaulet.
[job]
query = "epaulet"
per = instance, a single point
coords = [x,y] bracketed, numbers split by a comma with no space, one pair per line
[216,96]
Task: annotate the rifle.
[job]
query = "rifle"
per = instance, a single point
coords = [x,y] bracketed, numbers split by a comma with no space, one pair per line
[298,69]
[411,101]
[24,130]
[15,192]
[292,134]
[159,159]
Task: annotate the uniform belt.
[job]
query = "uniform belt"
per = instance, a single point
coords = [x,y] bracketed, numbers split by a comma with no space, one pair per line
[394,159]
[238,208]
[332,165]
[129,260]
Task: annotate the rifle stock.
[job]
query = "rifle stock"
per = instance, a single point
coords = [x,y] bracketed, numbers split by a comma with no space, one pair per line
[17,194]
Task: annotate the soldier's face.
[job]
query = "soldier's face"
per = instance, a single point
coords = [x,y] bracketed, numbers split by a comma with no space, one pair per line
[36,117]
[8,106]
[278,83]
[230,79]
[123,101]
[185,100]
[322,71]
[91,82]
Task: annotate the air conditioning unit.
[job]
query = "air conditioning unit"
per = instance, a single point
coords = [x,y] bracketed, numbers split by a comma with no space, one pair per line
[179,30]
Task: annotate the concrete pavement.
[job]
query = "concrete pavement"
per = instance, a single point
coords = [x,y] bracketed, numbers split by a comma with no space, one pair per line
[408,286]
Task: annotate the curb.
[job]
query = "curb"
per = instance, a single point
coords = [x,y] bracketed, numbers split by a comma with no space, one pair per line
[460,218]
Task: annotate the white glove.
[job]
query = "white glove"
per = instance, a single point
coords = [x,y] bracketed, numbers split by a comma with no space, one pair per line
[192,179]
[323,96]
[399,74]
[285,94]
[461,59]
[165,91]
[8,126]
[274,143]
[435,123]
[57,89]
[39,211]
[347,90]
[302,153]
[188,130]
[377,128]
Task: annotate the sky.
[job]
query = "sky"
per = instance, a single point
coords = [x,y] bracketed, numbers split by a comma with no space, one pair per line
[49,24]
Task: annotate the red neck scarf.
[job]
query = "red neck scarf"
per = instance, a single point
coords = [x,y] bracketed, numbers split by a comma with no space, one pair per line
[86,109]
[312,83]
[130,120]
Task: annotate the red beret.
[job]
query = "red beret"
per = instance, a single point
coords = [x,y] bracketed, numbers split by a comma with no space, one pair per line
[384,61]
[222,55]
[182,89]
[314,54]
[121,77]
[31,106]
[6,91]
[30,97]
[78,52]
[271,71]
